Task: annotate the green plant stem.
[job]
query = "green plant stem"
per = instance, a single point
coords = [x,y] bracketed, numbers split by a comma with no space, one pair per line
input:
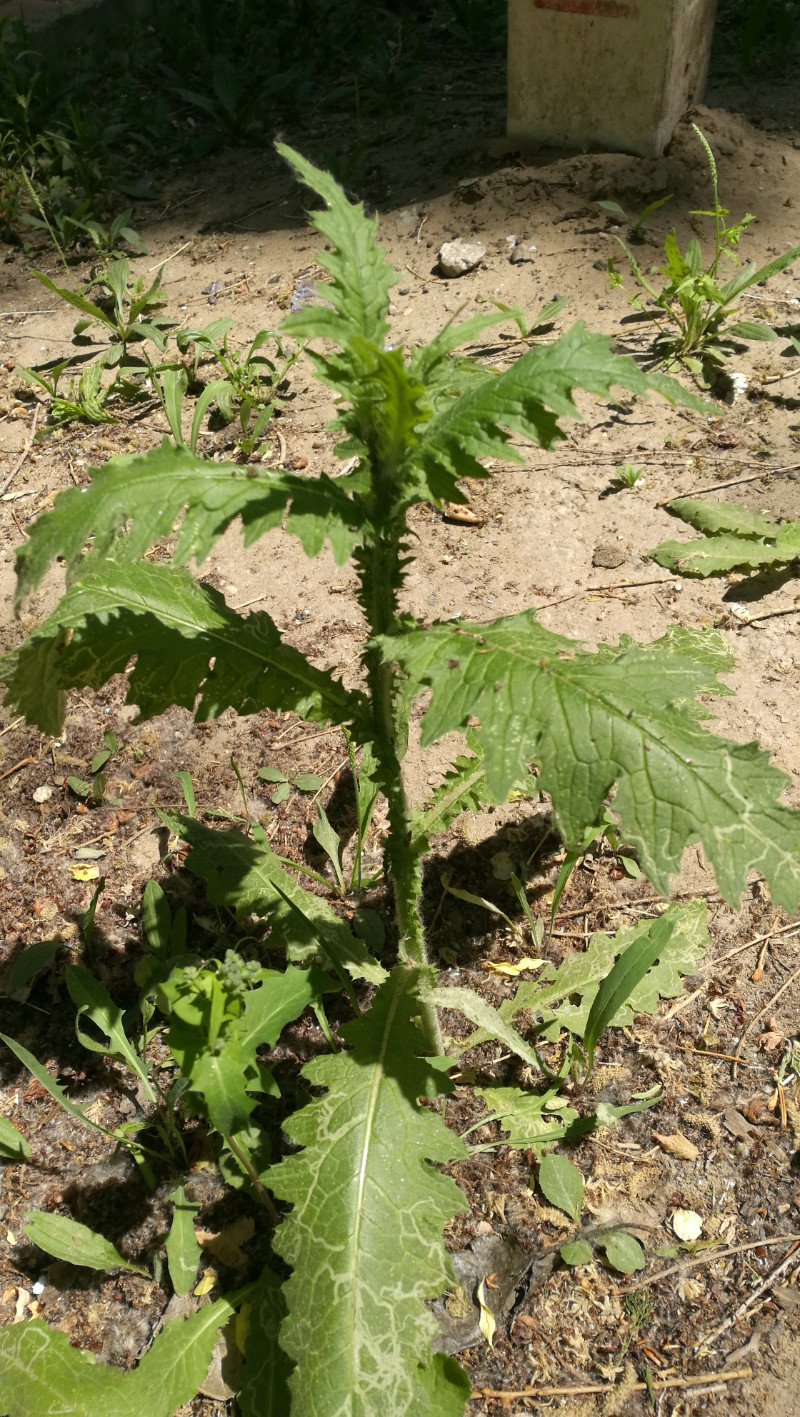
[260,1190]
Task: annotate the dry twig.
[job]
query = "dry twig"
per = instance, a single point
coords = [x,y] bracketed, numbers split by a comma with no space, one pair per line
[596,589]
[696,1261]
[751,1025]
[23,455]
[788,1262]
[735,482]
[698,1380]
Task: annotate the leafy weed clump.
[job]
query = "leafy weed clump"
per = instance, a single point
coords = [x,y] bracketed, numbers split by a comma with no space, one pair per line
[696,304]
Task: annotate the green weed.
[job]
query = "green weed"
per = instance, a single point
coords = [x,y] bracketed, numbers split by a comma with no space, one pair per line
[623,720]
[696,309]
[629,476]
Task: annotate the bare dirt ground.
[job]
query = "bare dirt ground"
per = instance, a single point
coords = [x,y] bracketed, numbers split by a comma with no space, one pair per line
[552,534]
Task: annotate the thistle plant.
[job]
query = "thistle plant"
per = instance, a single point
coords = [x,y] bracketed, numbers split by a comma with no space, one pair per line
[349,1331]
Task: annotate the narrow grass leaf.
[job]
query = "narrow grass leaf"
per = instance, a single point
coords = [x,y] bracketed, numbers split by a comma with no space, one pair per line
[618,986]
[183,1248]
[50,1085]
[13,1145]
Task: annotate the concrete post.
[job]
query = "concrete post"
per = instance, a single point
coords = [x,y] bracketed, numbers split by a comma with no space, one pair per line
[605,75]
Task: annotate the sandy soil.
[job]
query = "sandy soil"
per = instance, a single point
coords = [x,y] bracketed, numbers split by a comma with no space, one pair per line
[552,534]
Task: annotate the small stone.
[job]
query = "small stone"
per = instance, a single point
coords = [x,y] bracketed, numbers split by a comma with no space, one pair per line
[608,555]
[42,794]
[457,258]
[520,255]
[407,219]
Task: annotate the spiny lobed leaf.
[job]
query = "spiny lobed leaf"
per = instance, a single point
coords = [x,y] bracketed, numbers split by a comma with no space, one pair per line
[364,1236]
[593,722]
[464,789]
[739,540]
[430,417]
[714,517]
[144,497]
[529,398]
[247,876]
[175,628]
[530,1119]
[360,277]
[42,1375]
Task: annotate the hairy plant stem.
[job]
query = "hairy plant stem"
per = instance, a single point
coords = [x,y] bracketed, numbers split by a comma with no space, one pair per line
[381,569]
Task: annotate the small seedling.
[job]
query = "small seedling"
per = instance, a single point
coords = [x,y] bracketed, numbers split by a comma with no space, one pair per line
[122,313]
[539,324]
[249,382]
[304,782]
[94,791]
[629,476]
[635,232]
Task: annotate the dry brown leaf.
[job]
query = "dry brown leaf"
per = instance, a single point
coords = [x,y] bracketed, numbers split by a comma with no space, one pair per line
[458,512]
[487,1320]
[678,1145]
[226,1244]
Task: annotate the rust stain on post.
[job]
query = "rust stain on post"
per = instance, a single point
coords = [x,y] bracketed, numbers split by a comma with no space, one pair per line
[608,9]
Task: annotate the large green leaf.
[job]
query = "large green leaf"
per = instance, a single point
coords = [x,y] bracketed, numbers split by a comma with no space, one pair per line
[529,398]
[247,876]
[717,555]
[264,1386]
[42,1375]
[145,496]
[364,1237]
[176,629]
[361,278]
[593,721]
[738,539]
